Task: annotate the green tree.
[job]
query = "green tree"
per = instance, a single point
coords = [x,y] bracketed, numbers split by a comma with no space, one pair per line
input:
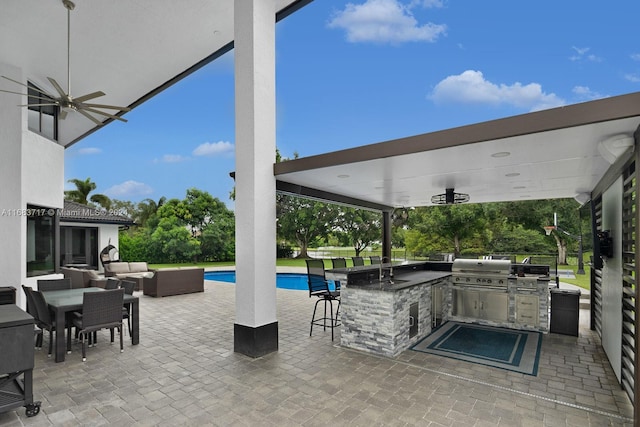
[533,215]
[173,242]
[207,220]
[81,193]
[147,209]
[124,207]
[357,227]
[454,228]
[303,220]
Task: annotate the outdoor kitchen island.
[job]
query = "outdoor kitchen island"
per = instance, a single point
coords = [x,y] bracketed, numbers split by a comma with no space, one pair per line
[385,309]
[386,316]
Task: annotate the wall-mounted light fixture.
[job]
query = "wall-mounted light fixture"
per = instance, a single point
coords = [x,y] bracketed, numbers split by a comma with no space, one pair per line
[615,146]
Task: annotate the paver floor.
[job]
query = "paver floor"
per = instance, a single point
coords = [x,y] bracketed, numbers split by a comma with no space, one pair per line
[185,372]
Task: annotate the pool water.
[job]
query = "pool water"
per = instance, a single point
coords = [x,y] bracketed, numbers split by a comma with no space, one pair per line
[295,281]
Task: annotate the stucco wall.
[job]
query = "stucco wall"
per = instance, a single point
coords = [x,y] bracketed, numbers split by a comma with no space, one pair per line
[31,172]
[11,121]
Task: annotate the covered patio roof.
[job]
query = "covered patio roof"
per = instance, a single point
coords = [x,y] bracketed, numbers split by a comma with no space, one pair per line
[541,155]
[130,50]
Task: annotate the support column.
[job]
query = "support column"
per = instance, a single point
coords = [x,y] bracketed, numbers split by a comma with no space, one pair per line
[386,234]
[256,326]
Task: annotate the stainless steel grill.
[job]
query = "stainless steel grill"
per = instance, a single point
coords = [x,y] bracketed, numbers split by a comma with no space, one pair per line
[481,272]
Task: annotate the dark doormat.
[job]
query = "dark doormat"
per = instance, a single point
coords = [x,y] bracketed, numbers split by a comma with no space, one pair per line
[503,348]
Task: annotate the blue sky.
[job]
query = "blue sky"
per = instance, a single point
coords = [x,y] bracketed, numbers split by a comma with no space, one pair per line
[358,72]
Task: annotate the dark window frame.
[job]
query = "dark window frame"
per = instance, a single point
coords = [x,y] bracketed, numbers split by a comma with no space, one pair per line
[41,125]
[42,254]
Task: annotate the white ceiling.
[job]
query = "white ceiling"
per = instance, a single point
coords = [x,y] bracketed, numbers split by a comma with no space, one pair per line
[551,154]
[124,48]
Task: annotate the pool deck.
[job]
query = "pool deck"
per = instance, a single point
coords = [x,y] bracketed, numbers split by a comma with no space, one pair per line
[184,372]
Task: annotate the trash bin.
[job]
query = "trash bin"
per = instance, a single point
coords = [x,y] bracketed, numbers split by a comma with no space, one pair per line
[565,311]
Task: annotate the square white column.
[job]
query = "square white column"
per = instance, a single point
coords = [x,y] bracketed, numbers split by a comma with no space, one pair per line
[255,330]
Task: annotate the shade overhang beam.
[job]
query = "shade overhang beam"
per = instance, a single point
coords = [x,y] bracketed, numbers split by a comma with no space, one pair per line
[329,197]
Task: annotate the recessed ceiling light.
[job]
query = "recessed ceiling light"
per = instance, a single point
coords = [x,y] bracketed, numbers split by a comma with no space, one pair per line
[501,154]
[512,174]
[343,176]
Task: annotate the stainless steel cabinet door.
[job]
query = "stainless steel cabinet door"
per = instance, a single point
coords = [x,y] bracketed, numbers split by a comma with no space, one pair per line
[494,306]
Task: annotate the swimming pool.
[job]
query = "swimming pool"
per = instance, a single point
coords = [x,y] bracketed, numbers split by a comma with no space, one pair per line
[294,281]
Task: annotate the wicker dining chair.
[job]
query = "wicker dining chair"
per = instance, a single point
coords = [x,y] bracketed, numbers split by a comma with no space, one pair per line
[319,287]
[31,309]
[375,259]
[112,284]
[100,310]
[54,284]
[128,287]
[46,322]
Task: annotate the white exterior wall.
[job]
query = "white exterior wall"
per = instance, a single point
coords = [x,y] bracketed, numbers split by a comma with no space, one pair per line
[612,277]
[31,171]
[12,119]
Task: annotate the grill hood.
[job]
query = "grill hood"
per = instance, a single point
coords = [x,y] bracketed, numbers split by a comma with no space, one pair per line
[491,268]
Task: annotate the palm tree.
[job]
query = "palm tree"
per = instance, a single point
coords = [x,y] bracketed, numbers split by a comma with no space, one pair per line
[81,193]
[147,208]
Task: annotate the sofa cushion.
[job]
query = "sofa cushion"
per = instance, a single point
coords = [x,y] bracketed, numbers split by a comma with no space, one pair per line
[92,274]
[138,267]
[118,267]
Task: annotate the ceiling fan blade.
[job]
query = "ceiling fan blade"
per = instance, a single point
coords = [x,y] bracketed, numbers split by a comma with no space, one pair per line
[37,105]
[57,86]
[30,96]
[110,107]
[111,116]
[89,96]
[90,117]
[30,87]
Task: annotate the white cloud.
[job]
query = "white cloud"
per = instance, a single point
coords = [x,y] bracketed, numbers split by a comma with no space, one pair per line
[173,158]
[129,189]
[584,92]
[633,78]
[635,56]
[470,87]
[427,4]
[581,53]
[213,148]
[384,21]
[89,151]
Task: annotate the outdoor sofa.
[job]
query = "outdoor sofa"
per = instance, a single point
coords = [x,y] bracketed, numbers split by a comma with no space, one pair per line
[83,278]
[133,271]
[174,281]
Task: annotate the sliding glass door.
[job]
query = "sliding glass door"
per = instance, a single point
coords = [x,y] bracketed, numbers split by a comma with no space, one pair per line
[79,246]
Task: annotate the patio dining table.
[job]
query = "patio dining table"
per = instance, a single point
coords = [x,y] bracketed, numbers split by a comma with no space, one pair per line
[66,301]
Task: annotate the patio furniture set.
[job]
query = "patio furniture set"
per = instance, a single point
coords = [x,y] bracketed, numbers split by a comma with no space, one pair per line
[152,282]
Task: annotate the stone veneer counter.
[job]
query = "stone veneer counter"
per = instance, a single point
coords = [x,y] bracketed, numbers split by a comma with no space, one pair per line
[387,318]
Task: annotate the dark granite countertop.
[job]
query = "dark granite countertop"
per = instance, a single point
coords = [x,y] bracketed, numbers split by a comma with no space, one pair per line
[401,280]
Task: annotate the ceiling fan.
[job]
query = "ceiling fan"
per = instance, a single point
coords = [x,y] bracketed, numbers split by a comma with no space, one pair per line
[64,100]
